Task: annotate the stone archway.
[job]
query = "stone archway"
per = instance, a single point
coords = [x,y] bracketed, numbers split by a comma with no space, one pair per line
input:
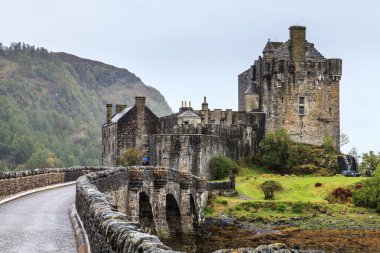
[145,213]
[173,215]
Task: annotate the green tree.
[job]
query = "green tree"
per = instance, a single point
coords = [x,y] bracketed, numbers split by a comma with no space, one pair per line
[131,156]
[221,167]
[370,161]
[277,149]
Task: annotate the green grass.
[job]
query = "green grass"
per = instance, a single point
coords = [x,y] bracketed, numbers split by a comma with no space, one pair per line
[316,212]
[295,188]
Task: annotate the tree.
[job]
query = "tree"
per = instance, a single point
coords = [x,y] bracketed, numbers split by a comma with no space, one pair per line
[277,149]
[221,167]
[270,187]
[131,156]
[344,139]
[354,152]
[370,161]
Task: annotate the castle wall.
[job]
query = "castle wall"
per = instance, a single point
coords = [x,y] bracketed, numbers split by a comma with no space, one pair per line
[109,145]
[244,79]
[187,152]
[298,89]
[191,147]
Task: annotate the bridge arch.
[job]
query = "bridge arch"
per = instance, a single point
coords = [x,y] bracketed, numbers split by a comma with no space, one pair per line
[193,211]
[145,213]
[173,214]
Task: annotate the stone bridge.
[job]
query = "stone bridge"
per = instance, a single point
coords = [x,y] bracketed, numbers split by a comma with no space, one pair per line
[160,200]
[117,209]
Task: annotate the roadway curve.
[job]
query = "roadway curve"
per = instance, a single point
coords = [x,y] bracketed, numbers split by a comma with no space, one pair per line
[38,222]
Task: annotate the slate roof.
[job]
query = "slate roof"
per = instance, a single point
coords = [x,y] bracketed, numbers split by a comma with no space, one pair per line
[188,114]
[115,118]
[268,48]
[283,52]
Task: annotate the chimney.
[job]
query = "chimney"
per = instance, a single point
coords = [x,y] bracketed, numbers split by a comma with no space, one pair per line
[140,103]
[109,113]
[297,43]
[120,107]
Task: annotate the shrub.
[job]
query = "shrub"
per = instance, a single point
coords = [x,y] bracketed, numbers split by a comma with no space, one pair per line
[369,194]
[276,149]
[221,167]
[270,187]
[281,207]
[341,194]
[223,202]
[298,207]
[131,156]
[318,184]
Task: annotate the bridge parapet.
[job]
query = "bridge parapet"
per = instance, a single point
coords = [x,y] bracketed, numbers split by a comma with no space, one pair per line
[18,181]
[108,229]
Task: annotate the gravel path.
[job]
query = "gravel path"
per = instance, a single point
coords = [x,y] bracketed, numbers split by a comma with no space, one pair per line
[38,222]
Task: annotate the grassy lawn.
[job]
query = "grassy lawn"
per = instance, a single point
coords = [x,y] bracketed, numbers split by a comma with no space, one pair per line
[295,188]
[250,203]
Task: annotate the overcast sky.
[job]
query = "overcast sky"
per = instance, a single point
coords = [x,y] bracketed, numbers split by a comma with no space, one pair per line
[188,49]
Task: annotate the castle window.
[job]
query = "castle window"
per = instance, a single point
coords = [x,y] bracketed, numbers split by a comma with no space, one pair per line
[330,110]
[222,122]
[282,99]
[301,100]
[301,110]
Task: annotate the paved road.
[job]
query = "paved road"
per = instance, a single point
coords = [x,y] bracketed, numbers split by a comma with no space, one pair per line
[38,222]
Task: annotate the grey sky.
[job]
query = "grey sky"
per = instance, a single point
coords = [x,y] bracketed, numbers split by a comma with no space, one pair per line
[188,49]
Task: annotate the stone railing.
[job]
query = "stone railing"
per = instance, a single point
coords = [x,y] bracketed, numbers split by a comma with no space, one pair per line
[107,229]
[15,182]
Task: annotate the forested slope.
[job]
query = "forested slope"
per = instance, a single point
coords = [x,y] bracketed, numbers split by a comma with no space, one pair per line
[52,106]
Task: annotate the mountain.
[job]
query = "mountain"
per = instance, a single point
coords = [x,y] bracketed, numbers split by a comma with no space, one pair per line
[52,106]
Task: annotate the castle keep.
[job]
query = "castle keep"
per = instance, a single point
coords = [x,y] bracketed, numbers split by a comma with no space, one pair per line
[291,86]
[296,87]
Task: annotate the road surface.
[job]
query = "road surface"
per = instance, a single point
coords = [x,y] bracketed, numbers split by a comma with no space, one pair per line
[38,222]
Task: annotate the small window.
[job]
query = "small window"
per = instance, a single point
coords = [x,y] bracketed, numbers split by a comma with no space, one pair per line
[330,110]
[282,99]
[301,100]
[222,122]
[302,110]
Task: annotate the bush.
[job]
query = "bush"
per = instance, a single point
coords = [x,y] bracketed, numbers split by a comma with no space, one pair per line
[318,184]
[270,187]
[276,149]
[369,193]
[298,207]
[221,167]
[281,207]
[131,156]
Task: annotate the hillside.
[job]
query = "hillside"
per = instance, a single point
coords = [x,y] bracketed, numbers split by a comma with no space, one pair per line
[53,105]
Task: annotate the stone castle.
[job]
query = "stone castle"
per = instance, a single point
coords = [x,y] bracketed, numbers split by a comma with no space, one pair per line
[292,86]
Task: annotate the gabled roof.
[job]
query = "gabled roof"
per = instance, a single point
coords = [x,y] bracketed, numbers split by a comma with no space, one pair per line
[188,114]
[268,48]
[283,52]
[115,118]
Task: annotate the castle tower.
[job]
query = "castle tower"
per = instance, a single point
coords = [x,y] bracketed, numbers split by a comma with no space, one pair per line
[297,89]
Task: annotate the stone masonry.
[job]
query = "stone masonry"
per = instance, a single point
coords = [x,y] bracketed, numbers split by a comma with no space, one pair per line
[296,87]
[291,86]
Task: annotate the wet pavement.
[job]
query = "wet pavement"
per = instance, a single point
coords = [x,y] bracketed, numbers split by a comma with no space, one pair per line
[38,222]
